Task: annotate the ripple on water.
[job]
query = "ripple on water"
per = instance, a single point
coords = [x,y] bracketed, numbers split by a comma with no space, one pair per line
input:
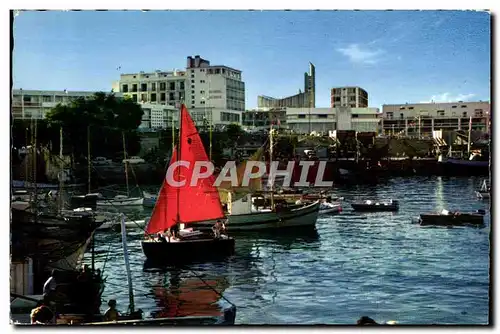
[376,264]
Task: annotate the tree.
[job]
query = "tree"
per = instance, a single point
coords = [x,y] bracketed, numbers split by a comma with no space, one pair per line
[104,117]
[234,132]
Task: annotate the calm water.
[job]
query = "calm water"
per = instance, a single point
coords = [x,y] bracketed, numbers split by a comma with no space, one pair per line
[376,264]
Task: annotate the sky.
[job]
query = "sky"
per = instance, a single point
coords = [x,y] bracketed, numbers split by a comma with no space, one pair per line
[396,56]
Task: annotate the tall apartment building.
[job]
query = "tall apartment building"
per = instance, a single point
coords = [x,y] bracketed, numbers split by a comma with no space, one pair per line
[27,104]
[154,87]
[420,119]
[354,97]
[306,99]
[211,93]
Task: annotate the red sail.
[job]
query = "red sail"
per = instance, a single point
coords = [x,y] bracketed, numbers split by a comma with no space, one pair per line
[186,204]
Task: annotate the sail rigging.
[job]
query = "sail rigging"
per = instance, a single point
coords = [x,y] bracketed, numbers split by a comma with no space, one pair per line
[186,203]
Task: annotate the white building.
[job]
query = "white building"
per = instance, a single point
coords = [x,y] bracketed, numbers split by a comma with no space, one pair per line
[423,118]
[306,120]
[27,104]
[158,116]
[212,93]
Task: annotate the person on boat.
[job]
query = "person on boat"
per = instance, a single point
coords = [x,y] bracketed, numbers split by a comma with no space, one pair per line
[223,228]
[42,314]
[217,229]
[49,288]
[167,234]
[111,313]
[161,238]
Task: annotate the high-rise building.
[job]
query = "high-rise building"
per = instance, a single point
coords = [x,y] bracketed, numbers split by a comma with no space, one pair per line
[306,99]
[354,97]
[213,94]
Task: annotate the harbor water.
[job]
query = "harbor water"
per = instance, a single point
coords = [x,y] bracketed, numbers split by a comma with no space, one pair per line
[381,265]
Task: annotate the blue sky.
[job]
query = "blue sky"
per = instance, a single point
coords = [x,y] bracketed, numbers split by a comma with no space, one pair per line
[397,56]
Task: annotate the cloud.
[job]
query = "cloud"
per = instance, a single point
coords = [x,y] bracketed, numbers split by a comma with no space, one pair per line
[357,54]
[447,97]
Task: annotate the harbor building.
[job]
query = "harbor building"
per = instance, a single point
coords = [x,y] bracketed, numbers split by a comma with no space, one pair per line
[306,99]
[421,119]
[213,93]
[263,117]
[354,97]
[323,120]
[28,104]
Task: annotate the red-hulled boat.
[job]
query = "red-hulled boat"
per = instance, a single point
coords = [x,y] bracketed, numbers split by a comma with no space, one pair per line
[178,206]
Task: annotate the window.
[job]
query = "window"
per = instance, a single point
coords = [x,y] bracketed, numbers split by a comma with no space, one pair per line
[202,102]
[162,97]
[454,106]
[144,87]
[337,99]
[134,97]
[163,85]
[401,108]
[171,96]
[202,92]
[440,113]
[192,102]
[354,115]
[192,81]
[464,114]
[401,115]
[172,86]
[153,97]
[301,116]
[323,116]
[202,81]
[389,115]
[134,88]
[153,86]
[217,71]
[47,98]
[125,88]
[144,97]
[411,108]
[182,85]
[463,106]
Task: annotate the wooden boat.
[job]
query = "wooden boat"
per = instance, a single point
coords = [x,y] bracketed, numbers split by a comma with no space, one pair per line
[326,208]
[369,205]
[247,214]
[446,218]
[186,204]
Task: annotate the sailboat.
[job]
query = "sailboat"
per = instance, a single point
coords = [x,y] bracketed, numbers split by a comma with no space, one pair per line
[179,206]
[249,210]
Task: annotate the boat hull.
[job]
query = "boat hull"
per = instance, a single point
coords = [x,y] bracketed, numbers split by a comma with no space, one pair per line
[188,250]
[121,202]
[452,220]
[305,216]
[373,208]
[483,194]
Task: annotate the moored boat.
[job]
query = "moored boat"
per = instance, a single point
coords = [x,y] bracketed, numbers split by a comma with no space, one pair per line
[369,205]
[120,200]
[183,204]
[447,218]
[326,208]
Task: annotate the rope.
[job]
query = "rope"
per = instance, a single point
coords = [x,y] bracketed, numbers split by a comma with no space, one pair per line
[211,288]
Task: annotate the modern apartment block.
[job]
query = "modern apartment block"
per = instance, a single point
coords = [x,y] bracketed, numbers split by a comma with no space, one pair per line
[159,116]
[420,119]
[306,99]
[354,97]
[28,104]
[213,94]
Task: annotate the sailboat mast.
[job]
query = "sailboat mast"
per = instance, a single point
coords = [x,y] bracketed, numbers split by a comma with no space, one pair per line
[89,162]
[35,155]
[127,264]
[469,136]
[179,158]
[126,162]
[61,167]
[271,142]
